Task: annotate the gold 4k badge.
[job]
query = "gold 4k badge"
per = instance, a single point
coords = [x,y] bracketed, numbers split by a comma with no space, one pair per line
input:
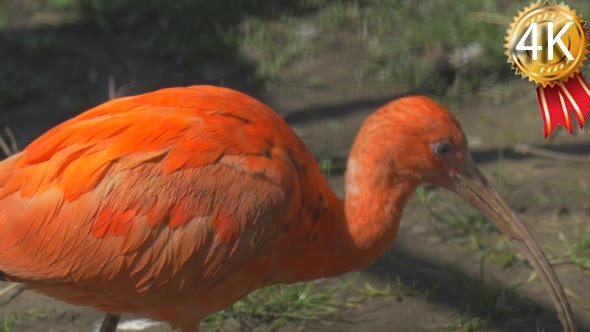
[548,43]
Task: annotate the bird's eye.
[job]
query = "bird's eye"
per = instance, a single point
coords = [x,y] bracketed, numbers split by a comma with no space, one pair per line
[443,149]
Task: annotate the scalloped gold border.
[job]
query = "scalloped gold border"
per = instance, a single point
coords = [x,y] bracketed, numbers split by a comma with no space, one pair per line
[519,16]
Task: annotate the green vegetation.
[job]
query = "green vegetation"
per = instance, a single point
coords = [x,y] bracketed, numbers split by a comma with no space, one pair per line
[268,33]
[427,45]
[7,323]
[463,224]
[488,301]
[326,166]
[501,253]
[583,191]
[273,43]
[423,46]
[581,250]
[396,30]
[466,323]
[457,221]
[332,166]
[491,298]
[578,252]
[274,306]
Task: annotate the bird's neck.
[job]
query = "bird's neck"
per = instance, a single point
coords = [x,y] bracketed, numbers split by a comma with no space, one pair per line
[353,233]
[373,207]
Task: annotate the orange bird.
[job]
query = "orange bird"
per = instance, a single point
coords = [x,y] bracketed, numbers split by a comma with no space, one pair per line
[174,204]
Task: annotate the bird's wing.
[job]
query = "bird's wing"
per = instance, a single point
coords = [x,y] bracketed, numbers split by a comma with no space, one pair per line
[139,188]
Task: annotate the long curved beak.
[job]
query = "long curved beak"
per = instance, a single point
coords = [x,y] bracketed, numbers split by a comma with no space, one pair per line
[473,186]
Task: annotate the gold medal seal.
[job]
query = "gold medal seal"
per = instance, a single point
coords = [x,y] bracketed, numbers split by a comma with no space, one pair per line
[541,69]
[548,43]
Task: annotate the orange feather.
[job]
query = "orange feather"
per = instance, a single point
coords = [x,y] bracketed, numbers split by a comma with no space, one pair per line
[125,200]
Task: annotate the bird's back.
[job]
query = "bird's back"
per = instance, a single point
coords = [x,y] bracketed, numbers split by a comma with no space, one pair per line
[157,204]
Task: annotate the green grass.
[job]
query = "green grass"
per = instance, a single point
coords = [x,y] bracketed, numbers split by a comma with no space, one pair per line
[464,222]
[271,307]
[7,323]
[326,166]
[407,38]
[401,48]
[581,248]
[491,298]
[466,323]
[502,252]
[268,34]
[274,44]
[578,251]
[583,191]
[465,225]
[450,27]
[457,222]
[488,301]
[413,45]
[276,305]
[332,166]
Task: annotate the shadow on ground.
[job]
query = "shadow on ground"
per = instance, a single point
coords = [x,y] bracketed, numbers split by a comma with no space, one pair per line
[461,291]
[54,67]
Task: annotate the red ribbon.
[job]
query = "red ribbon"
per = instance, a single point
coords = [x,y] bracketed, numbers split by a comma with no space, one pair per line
[557,101]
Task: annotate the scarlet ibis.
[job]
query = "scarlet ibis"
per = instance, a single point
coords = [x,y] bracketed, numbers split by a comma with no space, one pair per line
[174,204]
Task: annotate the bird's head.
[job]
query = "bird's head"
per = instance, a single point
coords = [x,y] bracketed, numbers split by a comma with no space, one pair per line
[416,140]
[419,138]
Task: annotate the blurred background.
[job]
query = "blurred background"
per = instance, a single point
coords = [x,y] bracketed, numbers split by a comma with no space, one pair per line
[325,65]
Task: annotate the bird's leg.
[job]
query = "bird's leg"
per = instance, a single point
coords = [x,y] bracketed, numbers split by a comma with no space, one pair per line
[110,322]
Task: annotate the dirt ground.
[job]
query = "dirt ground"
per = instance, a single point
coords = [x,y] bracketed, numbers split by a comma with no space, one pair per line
[547,194]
